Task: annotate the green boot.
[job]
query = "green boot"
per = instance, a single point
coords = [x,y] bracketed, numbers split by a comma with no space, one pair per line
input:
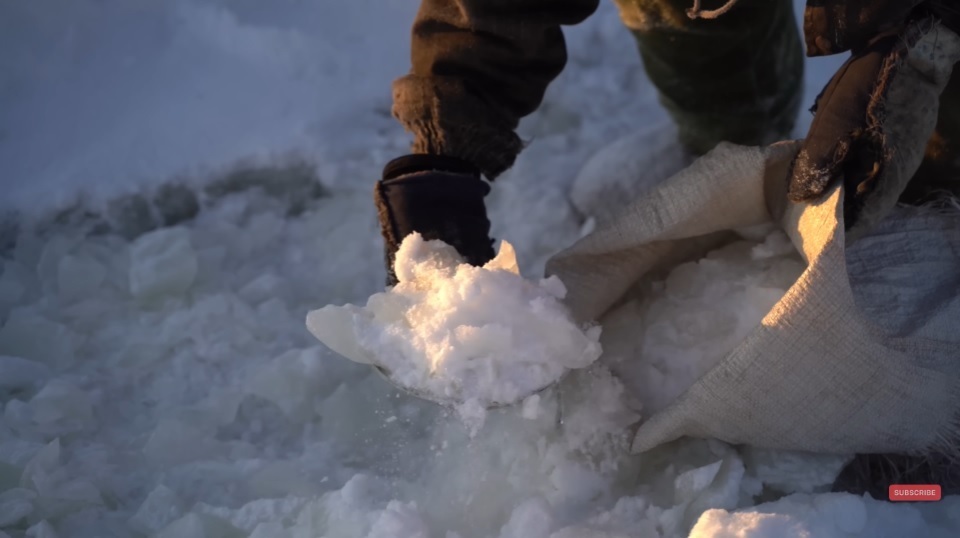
[735,78]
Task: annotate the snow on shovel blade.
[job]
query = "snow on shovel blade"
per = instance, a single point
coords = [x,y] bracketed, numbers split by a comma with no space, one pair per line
[454,333]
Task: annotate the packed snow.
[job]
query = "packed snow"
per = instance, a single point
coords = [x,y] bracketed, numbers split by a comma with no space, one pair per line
[472,337]
[156,376]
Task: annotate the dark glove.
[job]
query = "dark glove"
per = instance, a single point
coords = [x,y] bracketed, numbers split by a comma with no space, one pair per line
[438,197]
[874,118]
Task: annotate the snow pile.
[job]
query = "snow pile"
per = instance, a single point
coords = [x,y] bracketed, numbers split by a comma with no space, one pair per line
[454,333]
[675,330]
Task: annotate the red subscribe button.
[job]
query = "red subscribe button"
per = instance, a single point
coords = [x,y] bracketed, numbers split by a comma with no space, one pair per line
[915,493]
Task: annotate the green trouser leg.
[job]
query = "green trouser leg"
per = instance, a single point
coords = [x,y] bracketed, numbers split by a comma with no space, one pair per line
[736,78]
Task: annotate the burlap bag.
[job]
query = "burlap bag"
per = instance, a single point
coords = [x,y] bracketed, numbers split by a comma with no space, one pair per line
[862,354]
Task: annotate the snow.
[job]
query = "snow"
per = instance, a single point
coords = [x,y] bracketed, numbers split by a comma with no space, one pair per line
[830,515]
[694,317]
[474,337]
[164,263]
[162,382]
[161,507]
[20,374]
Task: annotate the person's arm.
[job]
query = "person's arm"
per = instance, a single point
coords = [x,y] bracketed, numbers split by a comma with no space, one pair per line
[479,66]
[835,26]
[874,118]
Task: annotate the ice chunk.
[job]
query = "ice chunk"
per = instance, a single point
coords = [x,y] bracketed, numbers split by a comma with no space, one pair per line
[346,413]
[161,507]
[575,482]
[16,414]
[399,519]
[532,519]
[270,530]
[261,288]
[113,254]
[42,529]
[216,326]
[15,504]
[847,512]
[346,512]
[175,442]
[693,482]
[274,315]
[14,285]
[44,463]
[293,380]
[18,374]
[200,526]
[594,405]
[35,338]
[221,407]
[255,512]
[795,472]
[531,407]
[280,478]
[335,327]
[722,492]
[675,331]
[263,229]
[79,277]
[139,354]
[163,263]
[458,333]
[9,475]
[58,498]
[79,491]
[217,409]
[61,407]
[54,250]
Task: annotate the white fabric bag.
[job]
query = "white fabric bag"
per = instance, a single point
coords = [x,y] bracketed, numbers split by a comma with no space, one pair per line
[862,354]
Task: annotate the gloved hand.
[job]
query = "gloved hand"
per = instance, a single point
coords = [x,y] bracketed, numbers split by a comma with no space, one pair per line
[874,118]
[438,197]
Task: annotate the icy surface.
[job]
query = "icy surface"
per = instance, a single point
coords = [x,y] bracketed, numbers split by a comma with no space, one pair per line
[203,407]
[472,336]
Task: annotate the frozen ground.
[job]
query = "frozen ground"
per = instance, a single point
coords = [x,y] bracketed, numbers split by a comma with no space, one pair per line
[166,383]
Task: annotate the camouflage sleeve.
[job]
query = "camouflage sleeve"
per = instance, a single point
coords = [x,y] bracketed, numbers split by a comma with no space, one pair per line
[478,67]
[834,26]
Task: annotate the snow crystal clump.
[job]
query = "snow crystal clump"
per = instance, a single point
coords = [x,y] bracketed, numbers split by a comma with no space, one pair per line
[18,374]
[477,336]
[164,263]
[79,277]
[61,407]
[661,342]
[33,337]
[161,507]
